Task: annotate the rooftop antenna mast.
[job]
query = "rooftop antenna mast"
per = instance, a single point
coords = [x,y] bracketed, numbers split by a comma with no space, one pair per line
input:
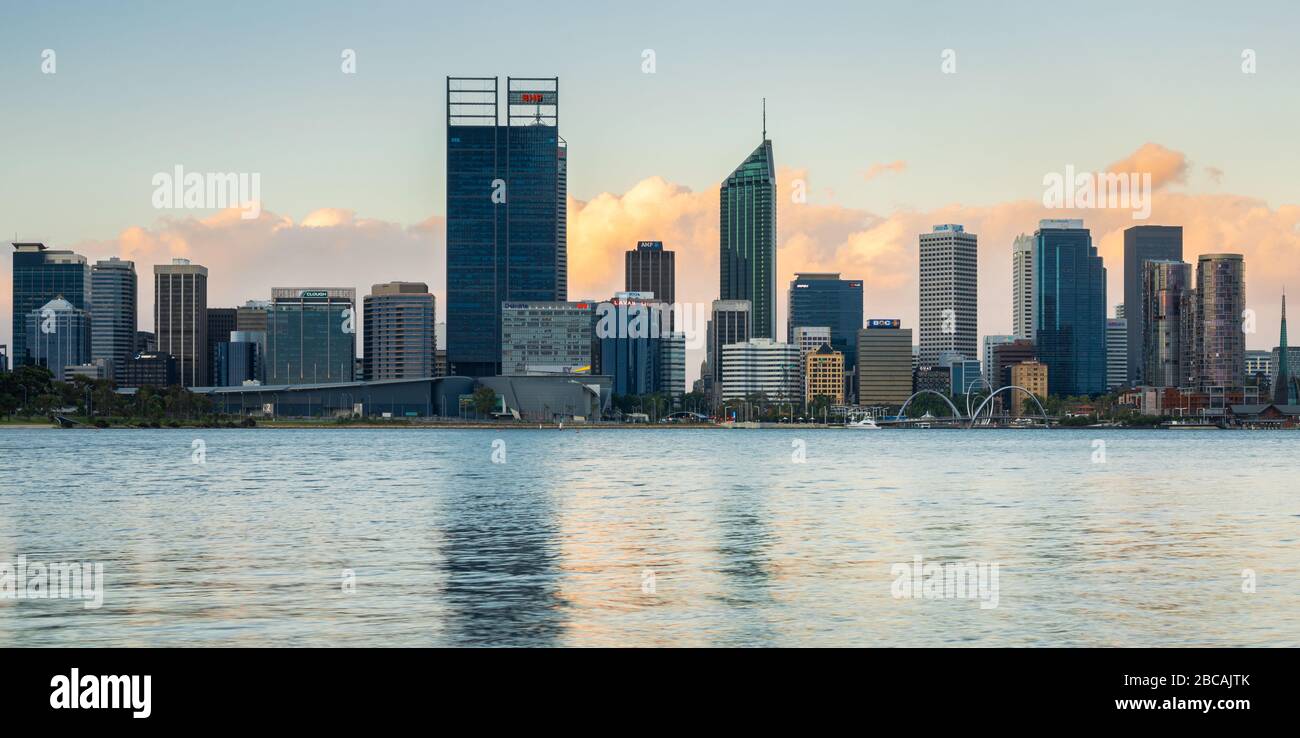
[765,119]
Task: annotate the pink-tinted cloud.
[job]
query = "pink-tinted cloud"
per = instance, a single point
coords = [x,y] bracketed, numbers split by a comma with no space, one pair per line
[1165,166]
[246,258]
[335,247]
[877,169]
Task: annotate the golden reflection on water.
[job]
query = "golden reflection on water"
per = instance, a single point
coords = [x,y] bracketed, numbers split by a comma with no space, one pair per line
[651,538]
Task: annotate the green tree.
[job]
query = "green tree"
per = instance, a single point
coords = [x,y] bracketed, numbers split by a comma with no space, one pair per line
[484,400]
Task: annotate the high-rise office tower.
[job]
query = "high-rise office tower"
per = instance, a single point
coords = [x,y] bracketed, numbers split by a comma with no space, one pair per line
[506,228]
[1022,287]
[731,323]
[1070,311]
[41,275]
[235,361]
[400,332]
[1282,394]
[1141,244]
[1189,338]
[221,323]
[311,336]
[672,365]
[1164,286]
[1116,352]
[547,337]
[1007,355]
[761,365]
[636,347]
[58,336]
[1221,300]
[827,300]
[949,294]
[747,223]
[250,322]
[990,344]
[651,268]
[180,318]
[884,363]
[114,294]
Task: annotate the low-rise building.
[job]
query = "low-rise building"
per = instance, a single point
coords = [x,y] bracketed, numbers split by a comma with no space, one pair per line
[1032,376]
[761,366]
[824,375]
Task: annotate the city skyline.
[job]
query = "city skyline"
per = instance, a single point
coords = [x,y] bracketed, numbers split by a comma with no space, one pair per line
[861,213]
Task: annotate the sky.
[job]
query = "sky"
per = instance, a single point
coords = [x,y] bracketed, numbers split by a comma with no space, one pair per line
[890,117]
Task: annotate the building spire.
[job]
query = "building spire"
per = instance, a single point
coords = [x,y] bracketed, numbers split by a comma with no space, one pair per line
[1282,382]
[765,119]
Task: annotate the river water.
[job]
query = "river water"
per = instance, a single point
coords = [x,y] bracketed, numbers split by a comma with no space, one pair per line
[655,537]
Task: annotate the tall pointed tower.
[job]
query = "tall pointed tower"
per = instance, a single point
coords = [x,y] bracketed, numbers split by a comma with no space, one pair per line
[1282,381]
[748,235]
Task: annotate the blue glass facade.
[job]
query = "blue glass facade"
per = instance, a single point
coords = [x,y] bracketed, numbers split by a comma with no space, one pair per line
[747,222]
[41,275]
[1070,310]
[827,300]
[506,233]
[311,336]
[114,288]
[235,363]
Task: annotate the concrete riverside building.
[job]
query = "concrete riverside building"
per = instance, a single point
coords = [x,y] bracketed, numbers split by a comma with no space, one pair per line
[761,366]
[399,332]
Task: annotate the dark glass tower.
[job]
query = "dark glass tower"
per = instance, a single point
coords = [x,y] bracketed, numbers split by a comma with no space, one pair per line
[41,275]
[221,322]
[114,292]
[748,238]
[650,268]
[827,300]
[1071,308]
[1142,244]
[506,229]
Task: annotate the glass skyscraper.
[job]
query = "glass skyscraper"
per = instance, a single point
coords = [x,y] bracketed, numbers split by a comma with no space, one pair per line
[114,292]
[827,300]
[58,336]
[748,238]
[1142,244]
[650,268]
[311,336]
[506,228]
[1070,310]
[41,275]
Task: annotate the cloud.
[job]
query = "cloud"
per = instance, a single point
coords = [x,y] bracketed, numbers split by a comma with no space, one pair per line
[877,169]
[882,249]
[1164,165]
[246,258]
